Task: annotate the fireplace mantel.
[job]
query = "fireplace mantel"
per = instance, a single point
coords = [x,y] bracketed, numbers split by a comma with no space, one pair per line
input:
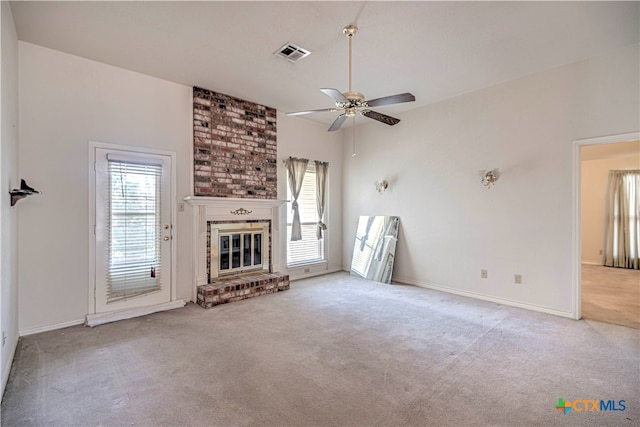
[226,205]
[229,209]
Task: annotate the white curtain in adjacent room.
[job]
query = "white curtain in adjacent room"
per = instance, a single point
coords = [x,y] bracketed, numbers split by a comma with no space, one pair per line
[321,187]
[296,169]
[622,245]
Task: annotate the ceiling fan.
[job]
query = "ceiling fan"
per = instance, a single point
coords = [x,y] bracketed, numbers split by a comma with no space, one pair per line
[351,103]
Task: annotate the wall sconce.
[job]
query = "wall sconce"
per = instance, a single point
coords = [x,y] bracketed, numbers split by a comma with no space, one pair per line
[489,178]
[381,186]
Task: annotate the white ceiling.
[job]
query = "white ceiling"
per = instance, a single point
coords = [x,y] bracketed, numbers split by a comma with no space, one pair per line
[436,50]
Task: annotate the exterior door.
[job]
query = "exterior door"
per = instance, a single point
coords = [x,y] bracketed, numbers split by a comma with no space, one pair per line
[133,229]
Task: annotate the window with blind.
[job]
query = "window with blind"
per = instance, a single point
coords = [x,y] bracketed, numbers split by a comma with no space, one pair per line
[133,229]
[309,250]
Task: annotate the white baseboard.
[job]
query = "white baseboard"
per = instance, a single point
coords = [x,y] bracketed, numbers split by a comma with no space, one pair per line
[313,274]
[102,318]
[483,297]
[38,329]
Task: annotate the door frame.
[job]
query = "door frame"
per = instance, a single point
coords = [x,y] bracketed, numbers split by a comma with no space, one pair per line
[576,206]
[93,145]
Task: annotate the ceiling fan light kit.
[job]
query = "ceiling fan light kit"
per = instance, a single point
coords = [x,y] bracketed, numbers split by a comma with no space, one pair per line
[352,103]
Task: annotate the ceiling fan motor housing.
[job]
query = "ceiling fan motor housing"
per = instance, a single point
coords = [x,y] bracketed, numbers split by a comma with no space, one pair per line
[356,99]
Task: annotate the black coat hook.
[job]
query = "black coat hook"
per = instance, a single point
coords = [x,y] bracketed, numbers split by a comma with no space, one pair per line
[24,191]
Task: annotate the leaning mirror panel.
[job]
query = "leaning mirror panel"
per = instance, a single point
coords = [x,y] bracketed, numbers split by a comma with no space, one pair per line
[375,247]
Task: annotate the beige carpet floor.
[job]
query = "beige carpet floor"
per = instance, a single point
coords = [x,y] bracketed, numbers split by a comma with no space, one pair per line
[611,295]
[332,351]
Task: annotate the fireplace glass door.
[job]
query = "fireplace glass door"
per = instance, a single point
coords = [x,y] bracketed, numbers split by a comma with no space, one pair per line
[238,247]
[240,252]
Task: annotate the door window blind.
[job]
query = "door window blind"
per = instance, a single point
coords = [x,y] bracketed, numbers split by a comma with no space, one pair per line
[133,229]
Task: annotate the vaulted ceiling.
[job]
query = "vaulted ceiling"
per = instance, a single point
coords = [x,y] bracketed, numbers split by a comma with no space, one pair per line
[436,50]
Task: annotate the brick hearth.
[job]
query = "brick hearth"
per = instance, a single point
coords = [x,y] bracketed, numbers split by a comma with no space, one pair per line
[222,291]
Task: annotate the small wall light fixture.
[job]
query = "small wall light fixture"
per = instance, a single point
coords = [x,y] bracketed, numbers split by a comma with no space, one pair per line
[381,186]
[489,178]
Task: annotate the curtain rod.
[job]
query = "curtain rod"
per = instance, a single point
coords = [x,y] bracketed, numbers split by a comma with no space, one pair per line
[284,160]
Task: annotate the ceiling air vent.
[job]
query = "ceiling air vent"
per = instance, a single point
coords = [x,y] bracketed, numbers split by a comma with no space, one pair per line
[291,52]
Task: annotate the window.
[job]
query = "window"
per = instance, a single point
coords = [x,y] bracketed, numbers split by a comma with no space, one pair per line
[310,249]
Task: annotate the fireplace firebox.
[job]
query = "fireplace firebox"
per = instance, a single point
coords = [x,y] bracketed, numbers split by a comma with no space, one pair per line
[237,248]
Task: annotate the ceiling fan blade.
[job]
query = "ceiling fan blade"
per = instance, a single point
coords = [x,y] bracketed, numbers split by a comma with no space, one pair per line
[322,110]
[393,99]
[338,122]
[335,94]
[387,120]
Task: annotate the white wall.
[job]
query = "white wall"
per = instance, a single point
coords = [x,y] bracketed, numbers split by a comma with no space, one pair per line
[8,180]
[451,226]
[65,102]
[595,177]
[298,137]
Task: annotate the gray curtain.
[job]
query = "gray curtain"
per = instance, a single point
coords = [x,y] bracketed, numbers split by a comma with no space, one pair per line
[296,169]
[622,241]
[321,187]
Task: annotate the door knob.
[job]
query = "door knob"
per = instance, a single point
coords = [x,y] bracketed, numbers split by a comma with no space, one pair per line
[165,238]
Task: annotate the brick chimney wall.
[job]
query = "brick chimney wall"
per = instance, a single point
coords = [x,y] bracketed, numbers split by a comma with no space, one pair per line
[234,147]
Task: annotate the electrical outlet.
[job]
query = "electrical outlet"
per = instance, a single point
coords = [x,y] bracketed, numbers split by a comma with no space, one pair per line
[600,251]
[306,270]
[180,207]
[518,278]
[484,274]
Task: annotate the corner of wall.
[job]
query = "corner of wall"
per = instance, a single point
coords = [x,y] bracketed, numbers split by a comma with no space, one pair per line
[8,179]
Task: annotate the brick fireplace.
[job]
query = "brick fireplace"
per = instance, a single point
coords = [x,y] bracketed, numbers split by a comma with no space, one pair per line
[236,247]
[224,285]
[234,147]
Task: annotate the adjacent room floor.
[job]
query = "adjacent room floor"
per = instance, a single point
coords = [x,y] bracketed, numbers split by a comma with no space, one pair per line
[611,295]
[334,350]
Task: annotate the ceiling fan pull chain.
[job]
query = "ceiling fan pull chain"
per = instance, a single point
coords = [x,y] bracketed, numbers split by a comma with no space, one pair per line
[354,137]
